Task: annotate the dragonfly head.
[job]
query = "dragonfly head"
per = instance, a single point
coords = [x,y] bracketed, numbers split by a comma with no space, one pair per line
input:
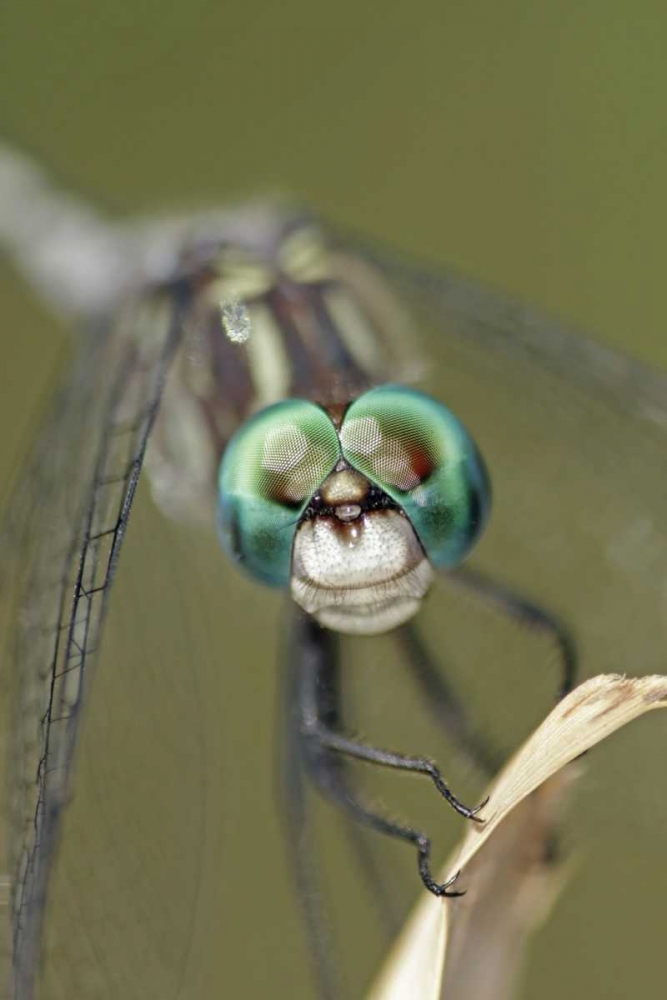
[354,514]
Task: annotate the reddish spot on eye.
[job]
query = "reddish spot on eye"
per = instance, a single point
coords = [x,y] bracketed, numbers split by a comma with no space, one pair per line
[421,462]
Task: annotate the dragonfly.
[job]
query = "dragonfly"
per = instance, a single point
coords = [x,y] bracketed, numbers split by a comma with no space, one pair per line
[261,368]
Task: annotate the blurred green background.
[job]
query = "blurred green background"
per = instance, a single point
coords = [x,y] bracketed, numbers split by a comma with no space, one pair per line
[524,144]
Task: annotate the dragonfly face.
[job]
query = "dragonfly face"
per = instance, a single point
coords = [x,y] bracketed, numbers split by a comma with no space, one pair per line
[353,506]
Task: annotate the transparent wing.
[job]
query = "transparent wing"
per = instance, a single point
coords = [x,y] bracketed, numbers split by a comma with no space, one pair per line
[66,526]
[575,436]
[491,321]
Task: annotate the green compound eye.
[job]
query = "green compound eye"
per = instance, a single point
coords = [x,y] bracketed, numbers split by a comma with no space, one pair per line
[416,450]
[269,471]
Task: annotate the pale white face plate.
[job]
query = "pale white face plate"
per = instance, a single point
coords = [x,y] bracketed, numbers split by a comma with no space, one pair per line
[362,574]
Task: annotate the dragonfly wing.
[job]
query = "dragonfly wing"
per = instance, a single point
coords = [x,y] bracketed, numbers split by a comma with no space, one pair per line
[498,324]
[66,526]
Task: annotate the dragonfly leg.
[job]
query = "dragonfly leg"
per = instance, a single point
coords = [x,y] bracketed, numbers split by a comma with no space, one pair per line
[306,655]
[299,839]
[328,781]
[318,700]
[328,739]
[442,701]
[526,613]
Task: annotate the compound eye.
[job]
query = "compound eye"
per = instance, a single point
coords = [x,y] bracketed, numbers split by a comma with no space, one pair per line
[269,471]
[421,455]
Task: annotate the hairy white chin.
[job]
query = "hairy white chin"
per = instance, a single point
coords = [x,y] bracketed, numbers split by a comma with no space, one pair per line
[362,577]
